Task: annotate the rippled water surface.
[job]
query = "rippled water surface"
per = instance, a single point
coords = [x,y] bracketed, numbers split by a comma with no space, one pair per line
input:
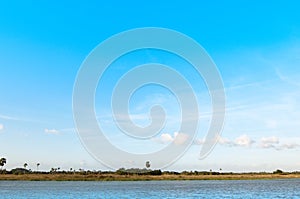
[289,188]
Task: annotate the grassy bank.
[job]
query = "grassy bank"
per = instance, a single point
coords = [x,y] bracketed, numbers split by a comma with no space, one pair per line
[134,177]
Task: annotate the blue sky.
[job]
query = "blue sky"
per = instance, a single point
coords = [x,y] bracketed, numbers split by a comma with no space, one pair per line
[255,46]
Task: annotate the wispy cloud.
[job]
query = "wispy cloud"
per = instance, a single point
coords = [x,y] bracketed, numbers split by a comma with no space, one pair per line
[269,142]
[244,86]
[291,79]
[67,130]
[1,127]
[274,142]
[5,117]
[241,141]
[59,131]
[224,141]
[288,146]
[18,119]
[52,131]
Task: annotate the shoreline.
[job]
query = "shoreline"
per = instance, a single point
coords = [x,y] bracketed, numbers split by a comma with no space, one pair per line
[134,177]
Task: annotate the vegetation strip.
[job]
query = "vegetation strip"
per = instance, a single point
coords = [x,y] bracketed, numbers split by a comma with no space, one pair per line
[113,176]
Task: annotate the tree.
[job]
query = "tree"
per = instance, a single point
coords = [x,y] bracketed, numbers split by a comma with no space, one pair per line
[278,171]
[2,162]
[37,166]
[25,165]
[148,164]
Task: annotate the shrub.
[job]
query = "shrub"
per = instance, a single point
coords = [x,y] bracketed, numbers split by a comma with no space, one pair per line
[278,171]
[18,171]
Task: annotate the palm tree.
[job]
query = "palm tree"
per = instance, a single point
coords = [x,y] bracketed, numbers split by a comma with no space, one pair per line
[148,164]
[2,162]
[37,166]
[25,165]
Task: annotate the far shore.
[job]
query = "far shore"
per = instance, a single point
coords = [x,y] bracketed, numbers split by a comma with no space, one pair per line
[136,177]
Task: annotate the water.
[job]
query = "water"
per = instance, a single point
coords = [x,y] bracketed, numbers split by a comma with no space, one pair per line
[289,188]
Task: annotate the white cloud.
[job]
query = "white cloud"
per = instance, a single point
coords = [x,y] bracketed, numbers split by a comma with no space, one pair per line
[51,131]
[220,140]
[177,138]
[244,141]
[180,138]
[1,127]
[273,142]
[165,138]
[269,142]
[287,146]
[199,141]
[224,141]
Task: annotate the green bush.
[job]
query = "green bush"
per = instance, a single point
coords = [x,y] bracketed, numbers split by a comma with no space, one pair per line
[278,171]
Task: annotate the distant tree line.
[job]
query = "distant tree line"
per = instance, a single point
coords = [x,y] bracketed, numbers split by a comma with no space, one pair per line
[137,171]
[121,171]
